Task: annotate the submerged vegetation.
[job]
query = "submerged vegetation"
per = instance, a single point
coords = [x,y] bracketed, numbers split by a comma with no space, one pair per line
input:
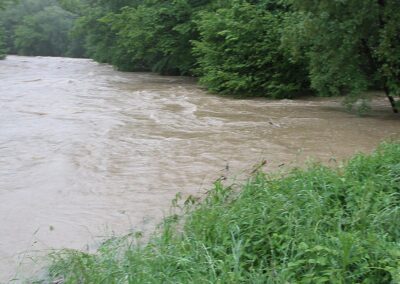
[271,48]
[318,225]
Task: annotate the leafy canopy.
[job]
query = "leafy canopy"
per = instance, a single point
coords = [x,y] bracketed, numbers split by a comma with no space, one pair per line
[352,45]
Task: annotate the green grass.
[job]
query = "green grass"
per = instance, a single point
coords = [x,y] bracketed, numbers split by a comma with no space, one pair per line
[318,225]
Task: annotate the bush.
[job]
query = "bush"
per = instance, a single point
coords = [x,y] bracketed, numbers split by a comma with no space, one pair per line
[239,53]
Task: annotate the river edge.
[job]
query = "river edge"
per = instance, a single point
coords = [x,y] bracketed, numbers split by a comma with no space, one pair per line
[247,121]
[196,217]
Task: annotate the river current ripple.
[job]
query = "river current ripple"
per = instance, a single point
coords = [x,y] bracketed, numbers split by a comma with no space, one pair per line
[87,151]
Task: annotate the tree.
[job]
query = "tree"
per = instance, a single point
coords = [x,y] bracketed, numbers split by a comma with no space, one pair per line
[92,36]
[44,33]
[239,53]
[29,17]
[156,35]
[3,49]
[352,45]
[138,34]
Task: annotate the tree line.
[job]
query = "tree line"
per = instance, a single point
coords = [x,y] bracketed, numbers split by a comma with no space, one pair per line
[271,48]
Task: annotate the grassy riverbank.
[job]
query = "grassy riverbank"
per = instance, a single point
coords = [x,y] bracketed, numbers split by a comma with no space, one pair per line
[318,225]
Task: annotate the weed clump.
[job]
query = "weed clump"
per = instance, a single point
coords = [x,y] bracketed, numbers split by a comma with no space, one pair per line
[318,225]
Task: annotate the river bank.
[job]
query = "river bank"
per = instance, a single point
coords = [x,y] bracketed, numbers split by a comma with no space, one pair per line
[318,225]
[88,152]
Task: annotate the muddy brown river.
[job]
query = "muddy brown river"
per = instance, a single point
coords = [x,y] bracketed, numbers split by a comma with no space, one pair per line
[87,152]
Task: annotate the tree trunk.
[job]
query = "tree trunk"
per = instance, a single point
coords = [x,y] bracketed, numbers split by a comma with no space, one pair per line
[391,100]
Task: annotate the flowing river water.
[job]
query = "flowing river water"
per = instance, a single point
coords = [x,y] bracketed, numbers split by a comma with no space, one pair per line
[87,151]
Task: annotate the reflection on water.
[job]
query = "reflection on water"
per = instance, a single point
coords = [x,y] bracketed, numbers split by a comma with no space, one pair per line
[86,151]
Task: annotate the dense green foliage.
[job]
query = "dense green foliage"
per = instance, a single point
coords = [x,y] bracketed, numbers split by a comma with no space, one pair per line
[239,52]
[318,225]
[233,46]
[162,43]
[351,45]
[37,27]
[3,49]
[2,44]
[45,33]
[146,35]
